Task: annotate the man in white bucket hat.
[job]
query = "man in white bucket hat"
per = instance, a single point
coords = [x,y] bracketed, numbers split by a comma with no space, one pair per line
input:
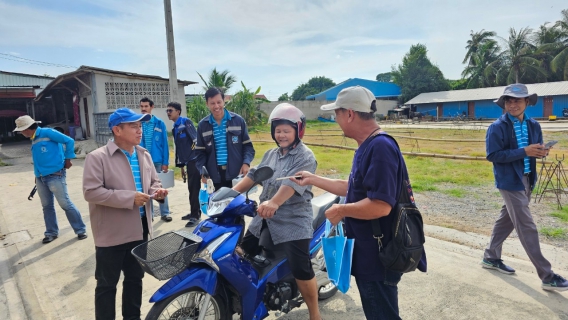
[50,164]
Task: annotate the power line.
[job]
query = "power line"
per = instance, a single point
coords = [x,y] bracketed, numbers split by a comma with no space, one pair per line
[36,62]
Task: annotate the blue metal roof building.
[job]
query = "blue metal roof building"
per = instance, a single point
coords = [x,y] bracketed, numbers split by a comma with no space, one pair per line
[478,103]
[381,90]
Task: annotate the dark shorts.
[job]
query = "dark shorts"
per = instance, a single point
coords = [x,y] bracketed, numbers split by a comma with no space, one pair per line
[297,252]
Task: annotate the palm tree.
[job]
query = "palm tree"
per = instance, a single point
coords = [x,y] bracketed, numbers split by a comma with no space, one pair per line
[516,62]
[478,39]
[549,42]
[221,80]
[478,73]
[560,61]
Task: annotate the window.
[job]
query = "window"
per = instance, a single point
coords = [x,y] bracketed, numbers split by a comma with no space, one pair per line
[128,94]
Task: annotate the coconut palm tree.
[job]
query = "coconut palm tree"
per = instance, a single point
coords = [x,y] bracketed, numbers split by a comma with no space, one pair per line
[516,62]
[478,39]
[221,80]
[559,64]
[478,73]
[549,41]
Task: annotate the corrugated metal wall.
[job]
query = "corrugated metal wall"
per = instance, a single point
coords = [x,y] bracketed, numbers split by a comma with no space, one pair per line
[20,80]
[452,109]
[487,109]
[427,108]
[559,103]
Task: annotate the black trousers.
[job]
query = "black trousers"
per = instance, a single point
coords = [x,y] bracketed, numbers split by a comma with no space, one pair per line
[193,186]
[110,261]
[224,182]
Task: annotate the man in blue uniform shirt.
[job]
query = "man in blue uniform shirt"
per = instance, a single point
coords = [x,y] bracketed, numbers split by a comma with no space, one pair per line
[155,140]
[223,143]
[50,163]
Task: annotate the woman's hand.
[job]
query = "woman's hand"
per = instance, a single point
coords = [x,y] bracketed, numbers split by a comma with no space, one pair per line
[267,209]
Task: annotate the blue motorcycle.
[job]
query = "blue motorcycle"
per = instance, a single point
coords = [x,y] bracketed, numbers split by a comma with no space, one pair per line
[216,281]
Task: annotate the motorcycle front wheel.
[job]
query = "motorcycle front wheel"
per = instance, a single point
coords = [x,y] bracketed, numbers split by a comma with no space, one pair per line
[188,305]
[327,290]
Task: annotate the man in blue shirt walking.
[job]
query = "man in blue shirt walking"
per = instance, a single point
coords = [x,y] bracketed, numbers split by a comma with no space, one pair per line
[513,143]
[50,162]
[155,140]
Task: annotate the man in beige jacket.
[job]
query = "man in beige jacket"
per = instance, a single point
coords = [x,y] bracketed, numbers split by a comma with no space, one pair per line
[118,181]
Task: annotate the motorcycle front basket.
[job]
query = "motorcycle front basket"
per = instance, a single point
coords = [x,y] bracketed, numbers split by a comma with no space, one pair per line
[167,255]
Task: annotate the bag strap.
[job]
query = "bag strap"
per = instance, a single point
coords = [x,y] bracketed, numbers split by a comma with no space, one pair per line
[402,196]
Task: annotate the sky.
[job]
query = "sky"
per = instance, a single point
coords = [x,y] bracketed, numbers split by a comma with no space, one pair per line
[275,44]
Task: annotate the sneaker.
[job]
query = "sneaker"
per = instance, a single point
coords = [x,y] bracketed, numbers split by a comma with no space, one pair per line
[48,239]
[192,222]
[558,283]
[186,217]
[498,265]
[82,236]
[167,218]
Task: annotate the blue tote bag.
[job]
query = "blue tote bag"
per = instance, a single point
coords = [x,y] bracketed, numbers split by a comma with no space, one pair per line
[338,251]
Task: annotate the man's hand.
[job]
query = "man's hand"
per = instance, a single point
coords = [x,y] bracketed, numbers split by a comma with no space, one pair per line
[161,194]
[140,199]
[164,168]
[536,150]
[335,213]
[68,164]
[305,178]
[267,209]
[244,169]
[183,175]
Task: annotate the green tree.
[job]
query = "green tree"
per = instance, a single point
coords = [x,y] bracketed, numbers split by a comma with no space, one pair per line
[549,44]
[477,72]
[478,39]
[222,80]
[384,77]
[458,84]
[417,74]
[517,63]
[284,97]
[559,64]
[196,108]
[313,86]
[247,105]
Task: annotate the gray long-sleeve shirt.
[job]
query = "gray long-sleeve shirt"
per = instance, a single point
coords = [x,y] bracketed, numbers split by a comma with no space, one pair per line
[293,220]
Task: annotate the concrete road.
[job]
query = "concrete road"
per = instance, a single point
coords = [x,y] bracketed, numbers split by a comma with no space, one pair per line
[56,280]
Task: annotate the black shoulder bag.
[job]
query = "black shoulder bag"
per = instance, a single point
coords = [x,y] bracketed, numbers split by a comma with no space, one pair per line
[403,252]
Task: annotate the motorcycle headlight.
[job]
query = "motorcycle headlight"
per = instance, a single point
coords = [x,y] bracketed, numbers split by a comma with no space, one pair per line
[206,255]
[217,207]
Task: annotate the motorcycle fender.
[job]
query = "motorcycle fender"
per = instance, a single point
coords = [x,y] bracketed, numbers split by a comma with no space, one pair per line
[200,277]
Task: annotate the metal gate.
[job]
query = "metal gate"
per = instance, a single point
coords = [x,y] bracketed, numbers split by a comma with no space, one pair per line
[102,131]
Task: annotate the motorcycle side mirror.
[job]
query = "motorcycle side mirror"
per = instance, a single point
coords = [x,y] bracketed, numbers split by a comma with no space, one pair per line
[205,173]
[261,174]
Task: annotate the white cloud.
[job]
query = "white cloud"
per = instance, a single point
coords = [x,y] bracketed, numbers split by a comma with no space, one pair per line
[274,44]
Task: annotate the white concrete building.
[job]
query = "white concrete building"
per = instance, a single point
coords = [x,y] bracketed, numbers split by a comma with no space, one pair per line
[89,95]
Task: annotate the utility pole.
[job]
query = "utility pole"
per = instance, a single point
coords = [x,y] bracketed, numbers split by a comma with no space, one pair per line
[171,52]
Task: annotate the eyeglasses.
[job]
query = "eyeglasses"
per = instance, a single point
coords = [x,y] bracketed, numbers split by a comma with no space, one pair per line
[169,110]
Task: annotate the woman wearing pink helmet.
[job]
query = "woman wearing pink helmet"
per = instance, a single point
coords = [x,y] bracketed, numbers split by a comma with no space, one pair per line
[285,207]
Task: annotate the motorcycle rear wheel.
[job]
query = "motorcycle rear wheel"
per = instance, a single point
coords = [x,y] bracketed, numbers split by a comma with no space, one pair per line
[187,305]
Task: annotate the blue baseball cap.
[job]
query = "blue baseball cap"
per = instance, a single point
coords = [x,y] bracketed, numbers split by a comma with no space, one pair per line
[516,90]
[125,115]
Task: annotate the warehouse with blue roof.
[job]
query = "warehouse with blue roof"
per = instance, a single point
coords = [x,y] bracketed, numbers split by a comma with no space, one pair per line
[478,103]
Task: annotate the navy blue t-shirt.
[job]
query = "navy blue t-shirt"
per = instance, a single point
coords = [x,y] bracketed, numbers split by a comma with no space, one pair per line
[375,174]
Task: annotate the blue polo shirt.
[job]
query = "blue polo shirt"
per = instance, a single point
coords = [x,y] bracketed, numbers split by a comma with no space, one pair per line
[374,175]
[220,136]
[522,135]
[148,133]
[133,161]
